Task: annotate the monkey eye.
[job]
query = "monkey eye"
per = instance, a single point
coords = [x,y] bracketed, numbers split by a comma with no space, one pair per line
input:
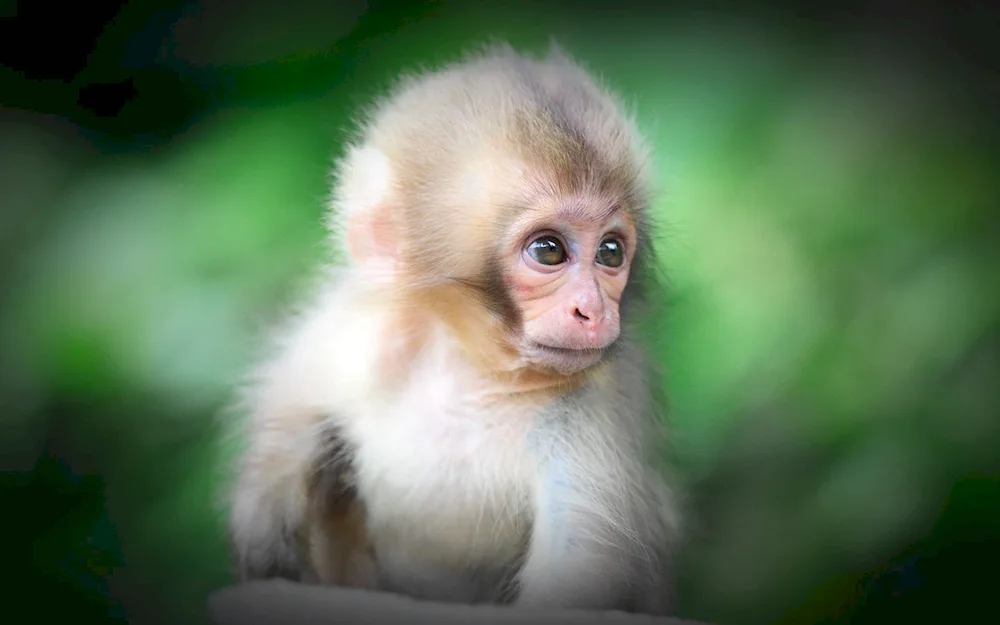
[547,250]
[610,253]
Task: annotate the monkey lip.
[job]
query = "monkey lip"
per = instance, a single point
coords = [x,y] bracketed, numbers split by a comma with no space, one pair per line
[564,358]
[567,351]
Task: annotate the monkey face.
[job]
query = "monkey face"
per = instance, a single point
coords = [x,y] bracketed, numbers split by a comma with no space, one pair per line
[568,267]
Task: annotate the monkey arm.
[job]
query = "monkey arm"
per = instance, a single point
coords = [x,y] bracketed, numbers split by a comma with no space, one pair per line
[268,509]
[283,602]
[589,540]
[289,429]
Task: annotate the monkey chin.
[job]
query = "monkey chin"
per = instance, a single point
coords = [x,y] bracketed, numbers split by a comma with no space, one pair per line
[561,360]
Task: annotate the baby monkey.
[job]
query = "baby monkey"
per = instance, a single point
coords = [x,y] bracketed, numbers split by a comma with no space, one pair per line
[461,413]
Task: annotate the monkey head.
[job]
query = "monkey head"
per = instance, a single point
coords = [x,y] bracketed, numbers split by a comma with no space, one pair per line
[520,222]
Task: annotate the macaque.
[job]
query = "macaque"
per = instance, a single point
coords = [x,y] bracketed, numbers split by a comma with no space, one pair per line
[461,411]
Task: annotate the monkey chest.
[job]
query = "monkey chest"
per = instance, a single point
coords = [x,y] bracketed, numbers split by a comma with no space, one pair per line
[446,490]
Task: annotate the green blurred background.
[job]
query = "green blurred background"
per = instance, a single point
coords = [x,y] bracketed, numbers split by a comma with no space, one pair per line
[829,186]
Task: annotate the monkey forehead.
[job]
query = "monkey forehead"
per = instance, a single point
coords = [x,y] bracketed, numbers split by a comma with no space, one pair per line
[593,213]
[593,209]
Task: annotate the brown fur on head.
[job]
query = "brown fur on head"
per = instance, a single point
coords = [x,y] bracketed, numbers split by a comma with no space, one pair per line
[449,162]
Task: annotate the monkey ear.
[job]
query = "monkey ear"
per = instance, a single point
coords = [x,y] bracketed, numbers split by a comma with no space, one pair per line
[371,239]
[363,200]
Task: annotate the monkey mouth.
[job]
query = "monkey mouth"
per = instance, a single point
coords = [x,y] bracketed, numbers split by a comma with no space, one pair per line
[564,359]
[567,351]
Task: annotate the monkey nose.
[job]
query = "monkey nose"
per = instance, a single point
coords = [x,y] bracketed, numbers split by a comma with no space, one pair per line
[586,318]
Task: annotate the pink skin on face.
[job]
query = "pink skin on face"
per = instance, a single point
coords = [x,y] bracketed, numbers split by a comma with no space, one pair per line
[570,309]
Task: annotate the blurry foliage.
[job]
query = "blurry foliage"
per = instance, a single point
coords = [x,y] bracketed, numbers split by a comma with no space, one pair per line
[828,225]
